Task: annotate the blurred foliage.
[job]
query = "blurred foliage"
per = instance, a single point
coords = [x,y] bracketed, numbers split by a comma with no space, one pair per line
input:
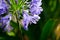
[45,27]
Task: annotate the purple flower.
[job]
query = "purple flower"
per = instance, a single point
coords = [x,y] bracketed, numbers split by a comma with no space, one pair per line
[5,21]
[8,27]
[29,16]
[32,17]
[29,19]
[36,2]
[35,10]
[3,7]
[26,20]
[35,7]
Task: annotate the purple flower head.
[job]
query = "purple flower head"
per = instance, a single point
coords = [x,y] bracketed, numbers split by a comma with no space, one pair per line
[34,19]
[5,21]
[35,10]
[32,16]
[3,7]
[36,2]
[8,27]
[28,19]
[35,7]
[29,16]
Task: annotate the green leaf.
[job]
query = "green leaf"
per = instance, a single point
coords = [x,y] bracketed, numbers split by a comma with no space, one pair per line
[11,33]
[47,29]
[53,5]
[13,4]
[20,4]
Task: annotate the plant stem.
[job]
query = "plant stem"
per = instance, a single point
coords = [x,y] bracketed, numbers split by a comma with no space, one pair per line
[19,31]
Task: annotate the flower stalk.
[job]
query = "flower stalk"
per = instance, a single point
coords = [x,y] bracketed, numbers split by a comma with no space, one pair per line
[19,31]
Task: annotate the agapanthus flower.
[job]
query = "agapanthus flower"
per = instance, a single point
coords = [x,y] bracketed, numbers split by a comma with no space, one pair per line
[36,2]
[3,7]
[35,10]
[30,11]
[35,7]
[5,22]
[32,16]
[29,19]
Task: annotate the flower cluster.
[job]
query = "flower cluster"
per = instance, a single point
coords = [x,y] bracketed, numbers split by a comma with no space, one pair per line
[32,15]
[30,12]
[4,20]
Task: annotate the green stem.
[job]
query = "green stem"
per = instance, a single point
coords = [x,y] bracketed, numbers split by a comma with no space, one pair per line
[19,28]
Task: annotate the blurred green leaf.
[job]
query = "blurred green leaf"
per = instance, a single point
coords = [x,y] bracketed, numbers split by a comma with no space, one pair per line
[47,29]
[11,33]
[13,4]
[53,5]
[2,38]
